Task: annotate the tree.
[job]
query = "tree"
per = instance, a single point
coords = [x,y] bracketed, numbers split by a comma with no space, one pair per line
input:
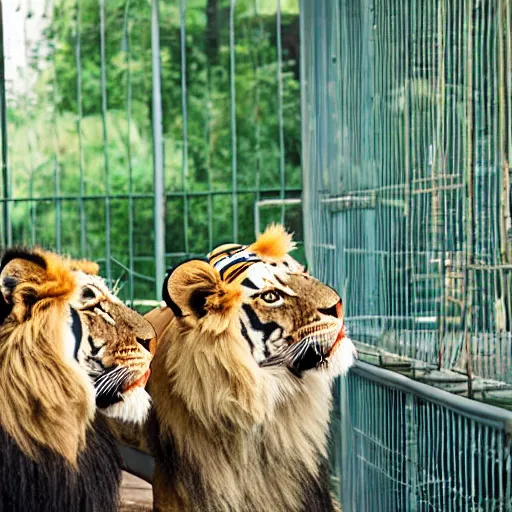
[65,123]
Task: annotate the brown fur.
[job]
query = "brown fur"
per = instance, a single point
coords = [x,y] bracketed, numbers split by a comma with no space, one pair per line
[224,424]
[160,319]
[88,267]
[123,349]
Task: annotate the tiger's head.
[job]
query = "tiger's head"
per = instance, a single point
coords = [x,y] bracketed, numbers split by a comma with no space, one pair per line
[285,316]
[245,318]
[68,346]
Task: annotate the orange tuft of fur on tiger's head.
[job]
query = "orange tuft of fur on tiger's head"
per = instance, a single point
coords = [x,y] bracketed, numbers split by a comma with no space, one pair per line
[243,371]
[67,347]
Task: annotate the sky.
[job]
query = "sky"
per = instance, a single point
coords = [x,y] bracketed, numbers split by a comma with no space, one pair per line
[20,31]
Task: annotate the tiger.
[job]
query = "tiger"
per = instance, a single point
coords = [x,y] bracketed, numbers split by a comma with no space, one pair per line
[71,355]
[248,345]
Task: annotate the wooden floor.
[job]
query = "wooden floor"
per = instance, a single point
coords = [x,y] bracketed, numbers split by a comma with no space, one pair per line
[136,495]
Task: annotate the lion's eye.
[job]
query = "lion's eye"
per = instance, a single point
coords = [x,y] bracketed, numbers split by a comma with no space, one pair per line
[270,297]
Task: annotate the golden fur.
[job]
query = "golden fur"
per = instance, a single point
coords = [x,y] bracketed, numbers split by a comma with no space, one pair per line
[222,419]
[230,433]
[43,400]
[46,398]
[88,267]
[274,244]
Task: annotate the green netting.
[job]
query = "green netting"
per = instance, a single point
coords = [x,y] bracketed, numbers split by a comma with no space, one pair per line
[141,133]
[407,144]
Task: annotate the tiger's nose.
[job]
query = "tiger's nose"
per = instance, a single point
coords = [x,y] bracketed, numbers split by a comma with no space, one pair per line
[336,310]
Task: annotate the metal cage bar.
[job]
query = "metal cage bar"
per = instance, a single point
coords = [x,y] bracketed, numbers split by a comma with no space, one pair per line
[407,189]
[159,187]
[406,168]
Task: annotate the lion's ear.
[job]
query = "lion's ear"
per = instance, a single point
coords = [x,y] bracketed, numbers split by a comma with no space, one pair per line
[195,289]
[19,266]
[33,276]
[16,267]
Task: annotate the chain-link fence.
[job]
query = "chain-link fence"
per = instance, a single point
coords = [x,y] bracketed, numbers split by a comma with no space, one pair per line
[405,446]
[140,133]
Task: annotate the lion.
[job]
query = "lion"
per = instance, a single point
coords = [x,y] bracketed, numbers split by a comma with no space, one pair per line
[248,345]
[68,348]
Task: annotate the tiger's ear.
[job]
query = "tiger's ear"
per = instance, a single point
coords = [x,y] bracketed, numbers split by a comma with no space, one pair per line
[194,290]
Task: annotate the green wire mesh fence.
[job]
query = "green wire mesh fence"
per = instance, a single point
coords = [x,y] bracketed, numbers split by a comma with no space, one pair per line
[406,447]
[407,144]
[140,133]
[406,149]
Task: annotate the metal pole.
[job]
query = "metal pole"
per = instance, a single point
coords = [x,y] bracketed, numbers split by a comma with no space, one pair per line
[7,234]
[234,164]
[158,155]
[81,163]
[184,158]
[127,50]
[306,197]
[104,113]
[282,174]
[470,189]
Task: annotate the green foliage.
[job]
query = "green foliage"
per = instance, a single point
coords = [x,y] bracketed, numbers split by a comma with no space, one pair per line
[62,143]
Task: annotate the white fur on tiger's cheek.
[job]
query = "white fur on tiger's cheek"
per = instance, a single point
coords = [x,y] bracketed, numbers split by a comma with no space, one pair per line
[342,359]
[133,409]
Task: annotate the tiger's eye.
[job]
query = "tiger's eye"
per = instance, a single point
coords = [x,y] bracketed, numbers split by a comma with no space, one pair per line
[270,296]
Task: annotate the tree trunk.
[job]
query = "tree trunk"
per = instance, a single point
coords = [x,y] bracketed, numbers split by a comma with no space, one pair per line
[212,32]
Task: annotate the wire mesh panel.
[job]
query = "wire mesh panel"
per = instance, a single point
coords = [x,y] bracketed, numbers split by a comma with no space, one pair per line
[406,150]
[140,133]
[407,143]
[405,449]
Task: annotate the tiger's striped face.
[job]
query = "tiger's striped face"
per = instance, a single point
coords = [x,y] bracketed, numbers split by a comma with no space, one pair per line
[287,317]
[112,344]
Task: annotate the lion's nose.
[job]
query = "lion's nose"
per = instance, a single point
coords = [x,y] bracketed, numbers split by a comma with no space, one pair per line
[336,310]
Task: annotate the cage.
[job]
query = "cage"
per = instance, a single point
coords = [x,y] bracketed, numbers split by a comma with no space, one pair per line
[141,133]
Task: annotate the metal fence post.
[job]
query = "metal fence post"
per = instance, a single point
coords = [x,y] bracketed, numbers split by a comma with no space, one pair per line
[158,156]
[7,234]
[104,120]
[232,87]
[411,454]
